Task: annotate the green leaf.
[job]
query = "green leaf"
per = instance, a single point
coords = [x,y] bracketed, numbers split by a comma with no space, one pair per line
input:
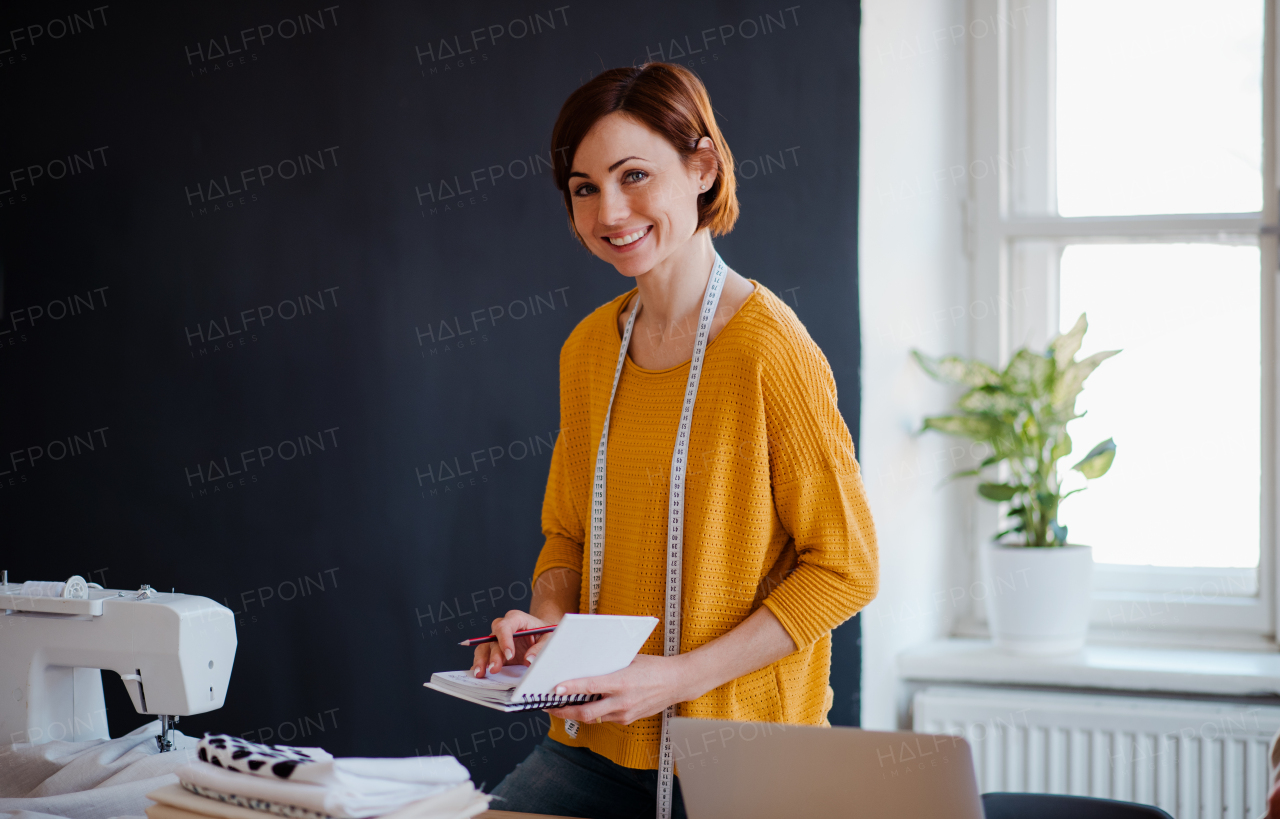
[1072,380]
[1061,448]
[1003,446]
[1028,373]
[992,400]
[1098,461]
[998,491]
[1059,533]
[1067,345]
[956,370]
[963,473]
[977,427]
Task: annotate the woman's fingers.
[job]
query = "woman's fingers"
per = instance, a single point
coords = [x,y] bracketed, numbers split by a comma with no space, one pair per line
[609,709]
[642,689]
[587,713]
[607,684]
[483,660]
[606,709]
[504,629]
[536,648]
[491,657]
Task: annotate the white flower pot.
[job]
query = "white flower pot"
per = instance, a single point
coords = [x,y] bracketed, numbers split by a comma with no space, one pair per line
[1038,599]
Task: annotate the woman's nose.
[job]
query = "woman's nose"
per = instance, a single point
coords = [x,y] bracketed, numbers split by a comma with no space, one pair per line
[614,208]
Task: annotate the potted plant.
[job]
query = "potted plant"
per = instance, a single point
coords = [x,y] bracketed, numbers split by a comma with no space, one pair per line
[1037,585]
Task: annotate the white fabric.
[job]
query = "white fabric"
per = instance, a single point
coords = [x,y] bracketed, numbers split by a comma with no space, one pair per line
[275,808]
[318,767]
[457,802]
[370,797]
[97,779]
[357,772]
[176,796]
[28,814]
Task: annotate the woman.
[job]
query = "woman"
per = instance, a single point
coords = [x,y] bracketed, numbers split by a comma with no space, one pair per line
[777,544]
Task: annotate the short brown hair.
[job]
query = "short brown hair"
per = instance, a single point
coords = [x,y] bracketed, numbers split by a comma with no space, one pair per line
[671,100]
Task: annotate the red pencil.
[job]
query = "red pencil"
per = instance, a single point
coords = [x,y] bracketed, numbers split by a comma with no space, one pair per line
[475,641]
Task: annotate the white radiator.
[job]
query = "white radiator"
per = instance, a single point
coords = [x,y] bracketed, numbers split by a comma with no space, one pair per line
[1194,759]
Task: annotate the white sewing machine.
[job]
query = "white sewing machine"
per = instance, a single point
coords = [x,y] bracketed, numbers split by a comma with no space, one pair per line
[173,652]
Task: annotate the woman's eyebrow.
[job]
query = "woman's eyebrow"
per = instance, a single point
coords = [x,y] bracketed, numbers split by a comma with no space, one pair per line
[620,161]
[611,167]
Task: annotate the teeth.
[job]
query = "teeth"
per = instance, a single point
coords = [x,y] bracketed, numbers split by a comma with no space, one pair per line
[629,238]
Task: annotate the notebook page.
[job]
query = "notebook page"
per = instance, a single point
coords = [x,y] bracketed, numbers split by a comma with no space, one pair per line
[505,679]
[585,645]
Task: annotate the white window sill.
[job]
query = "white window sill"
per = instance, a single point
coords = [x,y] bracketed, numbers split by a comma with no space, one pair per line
[1216,673]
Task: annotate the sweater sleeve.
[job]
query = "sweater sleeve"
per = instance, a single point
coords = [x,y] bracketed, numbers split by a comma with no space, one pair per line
[560,524]
[837,573]
[819,497]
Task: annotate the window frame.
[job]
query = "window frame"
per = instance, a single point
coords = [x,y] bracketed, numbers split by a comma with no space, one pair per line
[1014,241]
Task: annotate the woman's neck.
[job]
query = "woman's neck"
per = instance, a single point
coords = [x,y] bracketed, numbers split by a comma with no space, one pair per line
[674,288]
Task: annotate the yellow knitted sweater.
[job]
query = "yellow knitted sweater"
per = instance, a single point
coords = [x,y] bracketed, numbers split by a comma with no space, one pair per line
[775,511]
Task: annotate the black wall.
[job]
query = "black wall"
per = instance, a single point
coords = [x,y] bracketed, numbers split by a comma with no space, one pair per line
[245,354]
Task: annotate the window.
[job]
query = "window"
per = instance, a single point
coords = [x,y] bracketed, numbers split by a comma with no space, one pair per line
[1133,143]
[1184,397]
[1158,106]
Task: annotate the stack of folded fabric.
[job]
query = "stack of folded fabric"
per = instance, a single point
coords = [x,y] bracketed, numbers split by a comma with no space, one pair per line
[235,779]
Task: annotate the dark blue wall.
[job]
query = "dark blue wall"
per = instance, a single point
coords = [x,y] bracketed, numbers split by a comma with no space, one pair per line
[284,288]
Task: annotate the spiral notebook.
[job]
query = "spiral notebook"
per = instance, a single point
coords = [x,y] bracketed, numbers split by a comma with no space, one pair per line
[583,645]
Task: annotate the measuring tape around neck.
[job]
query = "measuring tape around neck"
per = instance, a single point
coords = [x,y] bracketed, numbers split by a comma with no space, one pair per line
[675,515]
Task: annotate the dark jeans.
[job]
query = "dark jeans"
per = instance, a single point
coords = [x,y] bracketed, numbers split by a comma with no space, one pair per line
[564,781]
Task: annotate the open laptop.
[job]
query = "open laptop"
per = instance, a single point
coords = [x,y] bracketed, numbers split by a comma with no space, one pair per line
[754,770]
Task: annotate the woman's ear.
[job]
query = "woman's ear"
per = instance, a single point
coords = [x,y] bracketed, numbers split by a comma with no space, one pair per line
[707,163]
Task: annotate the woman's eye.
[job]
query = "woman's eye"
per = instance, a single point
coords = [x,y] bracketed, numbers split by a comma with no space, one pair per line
[634,176]
[584,190]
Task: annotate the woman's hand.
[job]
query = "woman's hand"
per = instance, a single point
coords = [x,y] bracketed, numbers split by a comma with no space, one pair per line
[651,683]
[509,650]
[642,689]
[554,593]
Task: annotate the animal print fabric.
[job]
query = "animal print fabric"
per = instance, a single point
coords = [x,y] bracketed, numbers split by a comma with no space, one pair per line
[270,761]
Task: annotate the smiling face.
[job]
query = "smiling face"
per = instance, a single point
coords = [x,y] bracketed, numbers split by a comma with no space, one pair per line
[635,200]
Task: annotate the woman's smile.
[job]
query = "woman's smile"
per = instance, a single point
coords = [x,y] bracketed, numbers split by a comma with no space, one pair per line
[630,240]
